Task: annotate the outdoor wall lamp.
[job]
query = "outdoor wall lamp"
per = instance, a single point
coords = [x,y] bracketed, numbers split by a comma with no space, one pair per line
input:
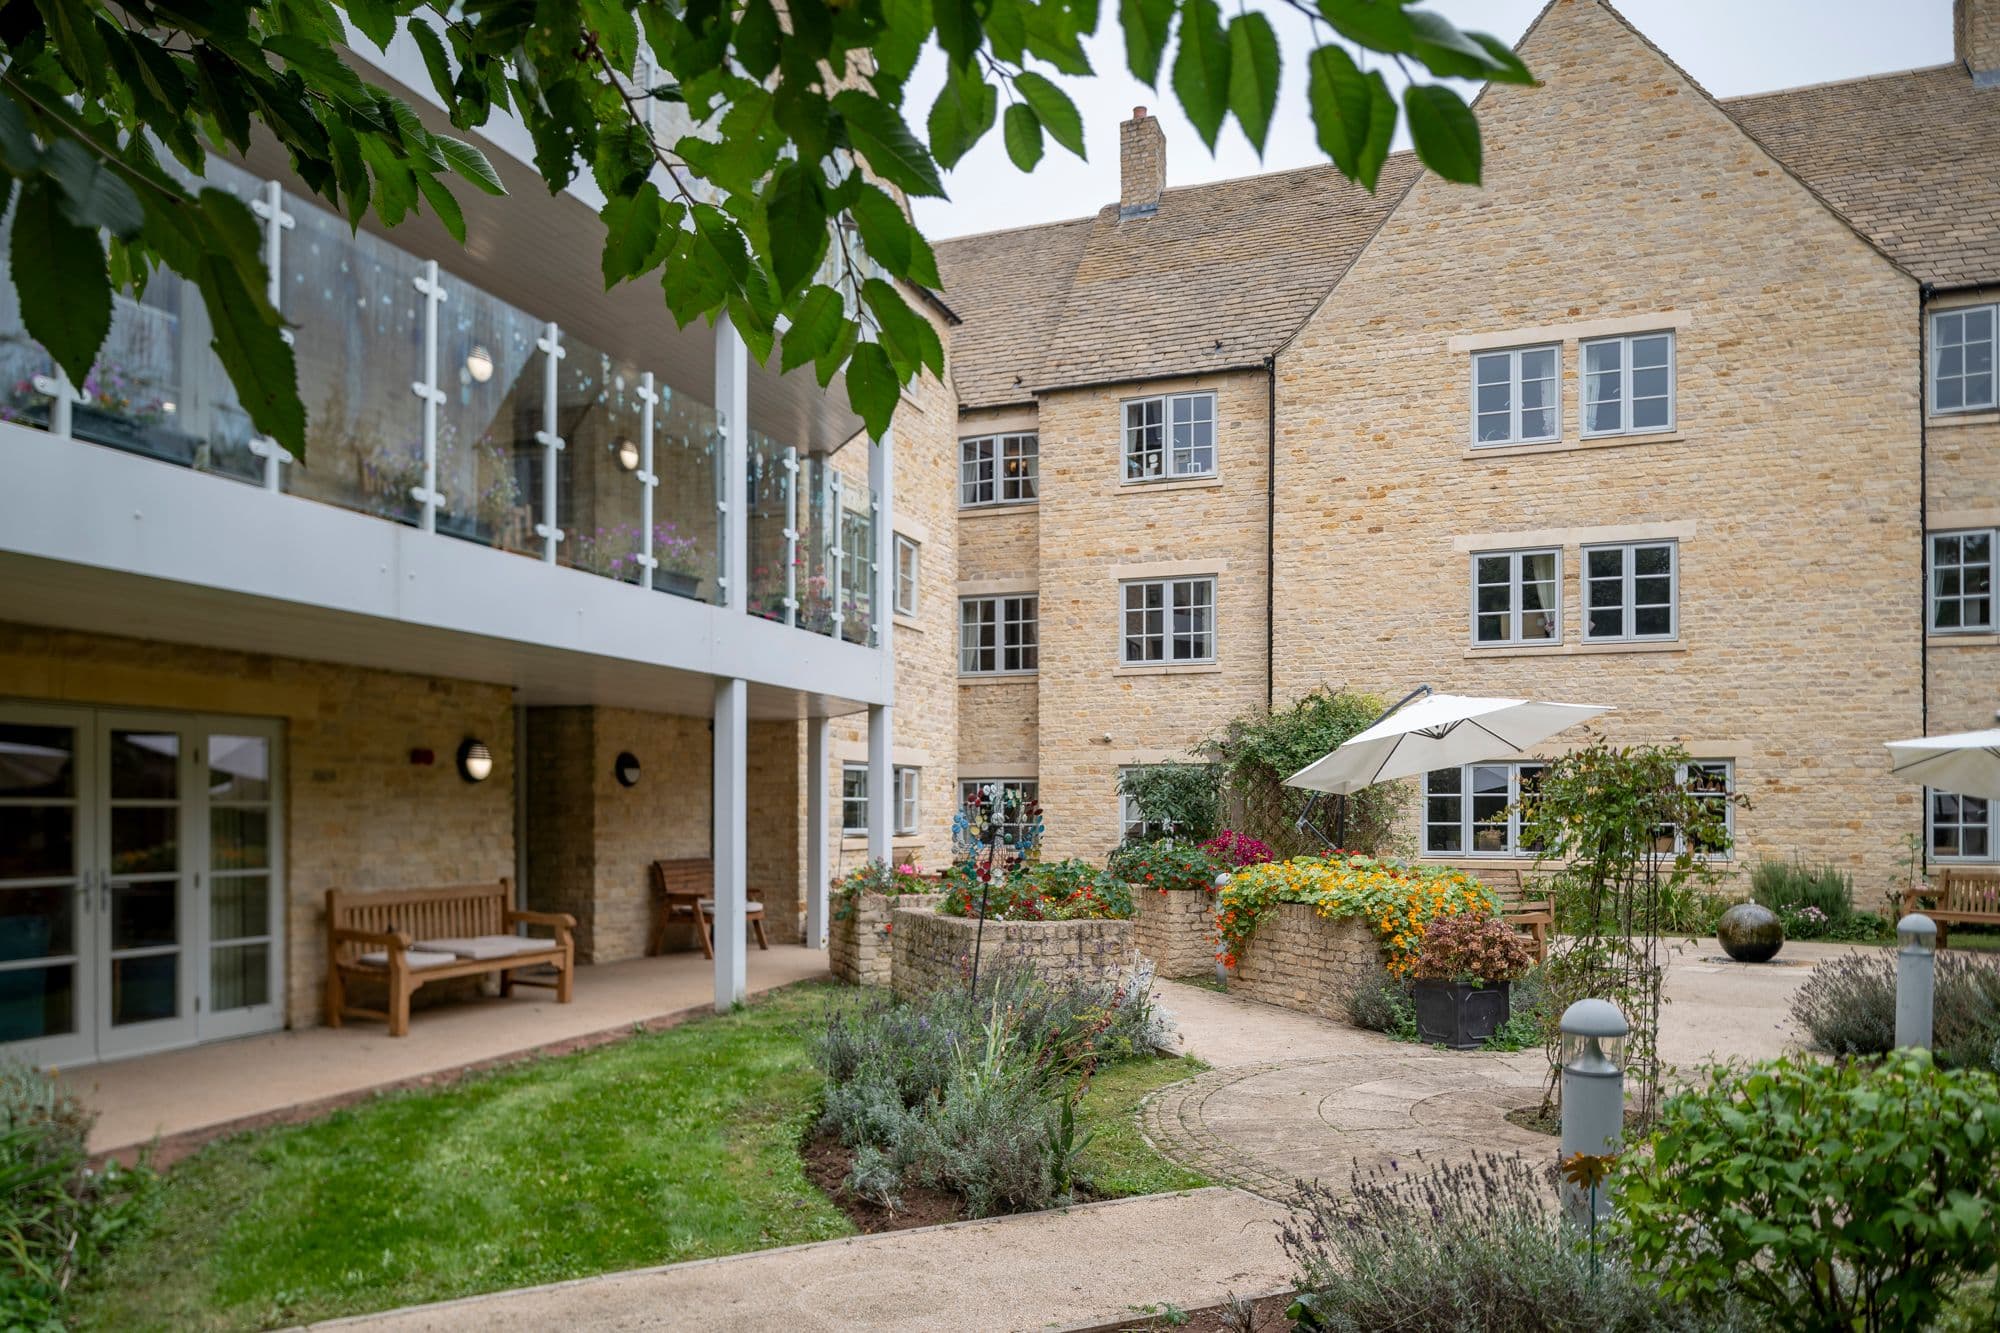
[626,768]
[479,364]
[475,761]
[627,450]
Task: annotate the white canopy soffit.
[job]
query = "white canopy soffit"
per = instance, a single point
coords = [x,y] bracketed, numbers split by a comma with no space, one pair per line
[1966,763]
[1438,731]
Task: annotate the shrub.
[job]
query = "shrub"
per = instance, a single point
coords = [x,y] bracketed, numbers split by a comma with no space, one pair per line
[1237,850]
[1261,750]
[1842,1195]
[1183,799]
[1848,1007]
[1073,890]
[876,877]
[1396,900]
[1484,949]
[1383,1004]
[1166,865]
[1794,884]
[1472,1246]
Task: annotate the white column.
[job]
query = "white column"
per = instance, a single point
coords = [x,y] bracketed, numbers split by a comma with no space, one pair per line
[819,746]
[881,742]
[551,441]
[732,842]
[732,406]
[881,784]
[882,479]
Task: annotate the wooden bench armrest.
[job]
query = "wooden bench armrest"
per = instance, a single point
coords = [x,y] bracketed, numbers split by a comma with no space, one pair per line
[560,920]
[382,939]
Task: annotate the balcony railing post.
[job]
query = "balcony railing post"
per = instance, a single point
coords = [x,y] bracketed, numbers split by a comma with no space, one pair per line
[62,396]
[791,536]
[732,420]
[426,389]
[551,345]
[836,551]
[649,481]
[270,206]
[882,537]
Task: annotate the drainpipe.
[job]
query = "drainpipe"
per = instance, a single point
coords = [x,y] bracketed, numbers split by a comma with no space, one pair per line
[1270,530]
[1924,291]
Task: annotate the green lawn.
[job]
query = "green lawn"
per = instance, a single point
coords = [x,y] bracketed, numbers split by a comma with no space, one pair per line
[668,1146]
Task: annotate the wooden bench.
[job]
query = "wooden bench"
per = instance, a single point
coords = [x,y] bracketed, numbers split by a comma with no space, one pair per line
[684,890]
[372,937]
[1535,916]
[1963,897]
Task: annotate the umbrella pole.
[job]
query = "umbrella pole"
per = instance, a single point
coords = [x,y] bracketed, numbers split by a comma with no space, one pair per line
[1340,824]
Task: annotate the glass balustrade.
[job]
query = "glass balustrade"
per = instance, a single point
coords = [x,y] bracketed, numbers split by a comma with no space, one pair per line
[857,563]
[816,605]
[601,417]
[687,520]
[489,464]
[774,560]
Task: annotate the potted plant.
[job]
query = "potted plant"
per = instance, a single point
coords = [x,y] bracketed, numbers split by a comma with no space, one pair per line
[1465,968]
[679,570]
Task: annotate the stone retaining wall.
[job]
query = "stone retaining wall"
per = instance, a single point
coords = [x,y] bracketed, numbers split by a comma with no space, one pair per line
[858,944]
[1300,960]
[932,950]
[1176,929]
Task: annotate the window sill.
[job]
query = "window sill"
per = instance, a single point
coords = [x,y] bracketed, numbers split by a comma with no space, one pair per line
[1581,649]
[908,622]
[858,842]
[1571,446]
[1980,640]
[1004,507]
[995,677]
[1170,669]
[1169,483]
[1950,419]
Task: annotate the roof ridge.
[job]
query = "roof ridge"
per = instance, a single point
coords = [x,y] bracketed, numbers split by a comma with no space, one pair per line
[1009,231]
[1843,83]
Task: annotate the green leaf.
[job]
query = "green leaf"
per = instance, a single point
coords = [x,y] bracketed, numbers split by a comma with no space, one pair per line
[60,274]
[815,325]
[1374,25]
[1443,131]
[624,158]
[94,195]
[1201,68]
[906,27]
[1353,113]
[1507,66]
[724,241]
[1053,109]
[632,240]
[758,39]
[443,204]
[908,337]
[321,68]
[1452,54]
[795,212]
[375,18]
[888,236]
[1023,134]
[1146,24]
[872,387]
[435,60]
[876,131]
[964,111]
[249,343]
[471,164]
[19,153]
[1253,75]
[959,34]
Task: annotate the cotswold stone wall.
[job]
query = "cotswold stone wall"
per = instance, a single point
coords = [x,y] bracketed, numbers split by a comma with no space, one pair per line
[932,950]
[1300,960]
[858,943]
[1175,928]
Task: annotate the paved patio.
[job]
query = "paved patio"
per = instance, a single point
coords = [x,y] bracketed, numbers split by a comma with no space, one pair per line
[186,1097]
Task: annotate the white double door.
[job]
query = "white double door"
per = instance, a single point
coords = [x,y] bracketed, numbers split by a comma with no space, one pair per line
[141,881]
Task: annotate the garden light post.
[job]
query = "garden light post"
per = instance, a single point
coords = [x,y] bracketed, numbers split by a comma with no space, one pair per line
[1221,968]
[1916,979]
[1593,1095]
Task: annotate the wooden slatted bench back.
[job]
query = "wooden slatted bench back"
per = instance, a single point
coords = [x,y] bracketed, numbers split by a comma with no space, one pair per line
[451,912]
[1968,896]
[688,875]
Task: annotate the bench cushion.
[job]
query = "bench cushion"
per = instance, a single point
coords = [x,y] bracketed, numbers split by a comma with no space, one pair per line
[482,948]
[749,908]
[416,958]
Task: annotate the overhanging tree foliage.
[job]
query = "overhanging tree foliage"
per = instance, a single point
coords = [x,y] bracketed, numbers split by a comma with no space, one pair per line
[802,145]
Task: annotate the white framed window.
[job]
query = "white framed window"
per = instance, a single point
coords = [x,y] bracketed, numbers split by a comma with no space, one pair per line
[1711,780]
[1628,384]
[997,469]
[1961,599]
[909,799]
[906,576]
[998,635]
[1517,395]
[1962,346]
[1015,794]
[1169,620]
[1133,826]
[1475,810]
[854,800]
[1516,597]
[1960,827]
[1631,591]
[1170,436]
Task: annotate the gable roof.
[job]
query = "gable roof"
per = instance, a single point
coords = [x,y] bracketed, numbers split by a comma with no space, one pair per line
[1216,279]
[1911,159]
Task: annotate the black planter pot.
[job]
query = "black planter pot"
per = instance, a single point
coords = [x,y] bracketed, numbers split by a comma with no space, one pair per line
[677,583]
[1459,1014]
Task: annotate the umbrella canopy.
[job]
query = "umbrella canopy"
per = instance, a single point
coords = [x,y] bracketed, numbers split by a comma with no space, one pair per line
[1440,731]
[1967,763]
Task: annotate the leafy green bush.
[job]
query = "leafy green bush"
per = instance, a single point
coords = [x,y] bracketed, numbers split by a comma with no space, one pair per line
[1826,1195]
[1794,883]
[1848,1007]
[1184,799]
[1166,864]
[1261,750]
[1383,1004]
[1475,1246]
[1072,890]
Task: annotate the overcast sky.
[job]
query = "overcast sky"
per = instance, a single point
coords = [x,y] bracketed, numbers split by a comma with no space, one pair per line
[1731,46]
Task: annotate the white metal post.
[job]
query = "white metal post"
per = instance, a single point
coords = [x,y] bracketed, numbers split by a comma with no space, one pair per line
[649,480]
[882,480]
[270,206]
[732,407]
[791,536]
[552,352]
[836,550]
[732,843]
[1916,980]
[427,389]
[881,784]
[819,738]
[62,396]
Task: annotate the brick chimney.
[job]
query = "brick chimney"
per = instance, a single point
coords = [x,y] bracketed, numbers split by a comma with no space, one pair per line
[1975,31]
[1142,164]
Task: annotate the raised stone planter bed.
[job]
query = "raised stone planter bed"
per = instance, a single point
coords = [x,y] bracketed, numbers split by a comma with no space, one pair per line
[1300,960]
[1175,928]
[858,944]
[932,950]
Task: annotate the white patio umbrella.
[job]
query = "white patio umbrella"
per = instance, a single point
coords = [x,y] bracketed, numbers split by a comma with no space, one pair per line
[1966,763]
[1439,731]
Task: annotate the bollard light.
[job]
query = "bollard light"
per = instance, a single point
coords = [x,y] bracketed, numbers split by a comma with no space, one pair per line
[1221,968]
[1592,1053]
[1916,979]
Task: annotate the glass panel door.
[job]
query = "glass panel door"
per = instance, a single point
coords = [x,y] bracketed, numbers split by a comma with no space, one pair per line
[45,1010]
[146,995]
[240,982]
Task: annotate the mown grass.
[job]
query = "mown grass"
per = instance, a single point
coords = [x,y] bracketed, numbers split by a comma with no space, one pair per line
[1118,1161]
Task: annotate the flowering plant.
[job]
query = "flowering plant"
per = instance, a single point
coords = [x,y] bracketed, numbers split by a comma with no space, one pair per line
[1165,865]
[1397,900]
[1073,890]
[1480,949]
[1237,849]
[876,877]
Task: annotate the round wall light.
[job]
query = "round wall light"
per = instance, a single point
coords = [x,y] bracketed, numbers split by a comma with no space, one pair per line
[626,768]
[627,450]
[475,761]
[479,363]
